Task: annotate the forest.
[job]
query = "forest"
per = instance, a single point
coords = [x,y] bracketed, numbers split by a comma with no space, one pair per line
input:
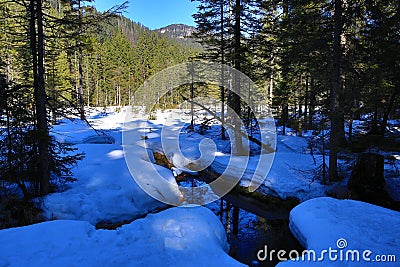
[322,64]
[58,57]
[329,74]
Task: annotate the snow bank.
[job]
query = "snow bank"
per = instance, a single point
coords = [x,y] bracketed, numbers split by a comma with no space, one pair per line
[346,225]
[175,237]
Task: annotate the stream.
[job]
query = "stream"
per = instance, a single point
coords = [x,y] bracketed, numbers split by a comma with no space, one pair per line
[250,226]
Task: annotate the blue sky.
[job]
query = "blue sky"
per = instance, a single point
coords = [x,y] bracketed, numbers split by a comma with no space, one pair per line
[155,13]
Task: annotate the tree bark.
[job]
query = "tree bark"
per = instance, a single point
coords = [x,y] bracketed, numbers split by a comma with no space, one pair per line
[236,105]
[388,110]
[80,87]
[37,49]
[335,88]
[80,68]
[223,137]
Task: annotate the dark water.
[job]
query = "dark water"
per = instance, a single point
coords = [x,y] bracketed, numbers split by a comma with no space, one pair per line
[252,233]
[248,229]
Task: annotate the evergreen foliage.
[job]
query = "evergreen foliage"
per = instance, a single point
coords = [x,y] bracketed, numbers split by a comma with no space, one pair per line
[56,57]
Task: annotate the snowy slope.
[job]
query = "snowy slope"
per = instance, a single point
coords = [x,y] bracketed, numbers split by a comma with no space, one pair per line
[175,237]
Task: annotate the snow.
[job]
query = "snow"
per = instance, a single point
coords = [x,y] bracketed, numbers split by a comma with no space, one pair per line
[108,123]
[105,189]
[319,223]
[119,173]
[292,174]
[175,237]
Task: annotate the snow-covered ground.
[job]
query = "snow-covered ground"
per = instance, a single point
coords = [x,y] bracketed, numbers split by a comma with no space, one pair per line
[106,192]
[292,173]
[105,189]
[345,228]
[191,236]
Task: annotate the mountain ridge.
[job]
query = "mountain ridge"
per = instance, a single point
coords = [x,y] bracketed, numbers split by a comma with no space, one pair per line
[177,31]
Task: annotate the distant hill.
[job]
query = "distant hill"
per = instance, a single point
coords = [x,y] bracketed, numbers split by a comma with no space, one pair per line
[177,31]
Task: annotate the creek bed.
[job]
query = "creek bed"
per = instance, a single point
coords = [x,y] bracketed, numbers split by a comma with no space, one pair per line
[250,226]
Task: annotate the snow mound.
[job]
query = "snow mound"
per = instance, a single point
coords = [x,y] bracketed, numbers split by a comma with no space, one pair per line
[346,225]
[175,237]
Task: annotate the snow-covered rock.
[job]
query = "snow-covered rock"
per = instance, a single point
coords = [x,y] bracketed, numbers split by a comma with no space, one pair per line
[347,228]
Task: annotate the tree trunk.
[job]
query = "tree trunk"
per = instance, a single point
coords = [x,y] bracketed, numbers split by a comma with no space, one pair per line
[235,221]
[306,99]
[300,115]
[285,116]
[192,98]
[87,84]
[236,103]
[388,110]
[285,101]
[367,181]
[335,88]
[223,137]
[81,98]
[311,107]
[37,49]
